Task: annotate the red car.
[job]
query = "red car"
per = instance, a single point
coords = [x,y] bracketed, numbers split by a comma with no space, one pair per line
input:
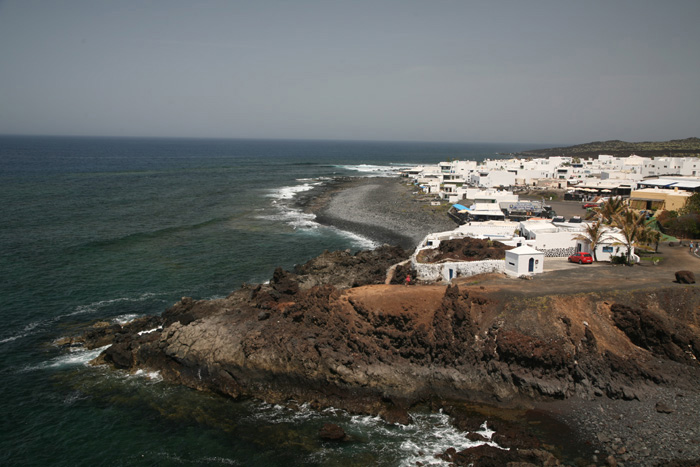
[581,258]
[591,205]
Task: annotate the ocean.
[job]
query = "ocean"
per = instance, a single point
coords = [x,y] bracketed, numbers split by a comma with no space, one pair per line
[107,229]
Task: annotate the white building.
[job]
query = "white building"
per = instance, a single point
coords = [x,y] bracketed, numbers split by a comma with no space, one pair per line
[611,244]
[451,180]
[524,261]
[489,179]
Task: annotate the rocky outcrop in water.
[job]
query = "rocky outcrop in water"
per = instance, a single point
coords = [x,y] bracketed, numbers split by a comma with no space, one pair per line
[330,333]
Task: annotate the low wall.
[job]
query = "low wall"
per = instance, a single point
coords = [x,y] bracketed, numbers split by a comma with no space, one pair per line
[558,252]
[441,271]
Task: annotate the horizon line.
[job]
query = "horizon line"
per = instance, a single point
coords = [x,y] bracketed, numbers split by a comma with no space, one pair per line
[233,138]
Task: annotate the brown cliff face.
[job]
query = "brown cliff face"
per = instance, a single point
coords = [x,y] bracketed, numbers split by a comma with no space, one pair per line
[382,348]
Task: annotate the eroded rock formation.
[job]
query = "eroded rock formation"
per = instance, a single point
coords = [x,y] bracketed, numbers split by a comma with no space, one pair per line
[331,333]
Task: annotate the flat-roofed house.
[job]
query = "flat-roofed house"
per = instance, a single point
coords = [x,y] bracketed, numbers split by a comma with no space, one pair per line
[524,261]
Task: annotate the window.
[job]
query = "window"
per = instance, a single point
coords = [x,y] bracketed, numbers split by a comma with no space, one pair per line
[607,249]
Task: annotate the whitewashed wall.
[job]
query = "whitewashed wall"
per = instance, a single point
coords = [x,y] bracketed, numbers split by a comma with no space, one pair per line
[558,244]
[600,253]
[441,271]
[518,265]
[477,229]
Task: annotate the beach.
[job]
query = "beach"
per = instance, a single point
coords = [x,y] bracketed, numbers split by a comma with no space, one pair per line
[387,210]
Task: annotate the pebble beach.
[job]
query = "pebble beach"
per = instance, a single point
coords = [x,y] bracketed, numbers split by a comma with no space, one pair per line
[385,210]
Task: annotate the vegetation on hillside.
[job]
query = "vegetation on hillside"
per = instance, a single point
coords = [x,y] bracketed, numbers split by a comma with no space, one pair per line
[678,148]
[684,223]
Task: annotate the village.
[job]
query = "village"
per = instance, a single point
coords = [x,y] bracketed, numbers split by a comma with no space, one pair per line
[612,205]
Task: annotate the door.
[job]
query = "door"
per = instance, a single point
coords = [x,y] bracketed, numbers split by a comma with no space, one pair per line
[531,265]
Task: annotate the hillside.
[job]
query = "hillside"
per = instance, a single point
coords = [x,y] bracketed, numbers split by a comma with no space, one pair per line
[678,147]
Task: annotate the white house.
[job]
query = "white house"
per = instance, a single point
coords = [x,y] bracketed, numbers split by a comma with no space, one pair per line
[524,260]
[555,239]
[611,244]
[492,178]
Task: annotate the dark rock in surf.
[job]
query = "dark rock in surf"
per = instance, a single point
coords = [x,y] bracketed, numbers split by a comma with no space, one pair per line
[332,432]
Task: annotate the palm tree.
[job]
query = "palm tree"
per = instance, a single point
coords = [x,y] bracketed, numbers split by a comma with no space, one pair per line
[650,236]
[633,227]
[593,234]
[611,208]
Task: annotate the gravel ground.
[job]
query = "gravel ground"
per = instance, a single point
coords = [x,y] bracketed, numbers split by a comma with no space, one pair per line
[660,430]
[386,210]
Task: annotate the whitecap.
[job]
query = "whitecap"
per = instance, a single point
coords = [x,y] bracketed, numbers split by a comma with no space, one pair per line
[289,192]
[371,170]
[74,397]
[360,241]
[74,357]
[92,307]
[433,434]
[295,218]
[36,326]
[221,460]
[26,331]
[154,376]
[124,319]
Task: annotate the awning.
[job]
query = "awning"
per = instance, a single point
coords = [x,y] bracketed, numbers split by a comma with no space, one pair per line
[658,182]
[460,207]
[686,184]
[646,199]
[487,213]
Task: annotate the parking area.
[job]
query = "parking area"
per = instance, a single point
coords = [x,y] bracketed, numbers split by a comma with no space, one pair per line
[559,264]
[568,209]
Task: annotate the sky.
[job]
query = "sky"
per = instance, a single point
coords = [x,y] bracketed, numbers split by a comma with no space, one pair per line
[533,71]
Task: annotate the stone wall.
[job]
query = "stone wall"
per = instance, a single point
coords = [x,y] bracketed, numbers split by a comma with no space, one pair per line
[440,271]
[559,252]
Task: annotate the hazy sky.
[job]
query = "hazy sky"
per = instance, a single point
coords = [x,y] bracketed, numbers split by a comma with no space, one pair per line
[478,71]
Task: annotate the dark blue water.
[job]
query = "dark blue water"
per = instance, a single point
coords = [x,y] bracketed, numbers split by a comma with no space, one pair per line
[111,229]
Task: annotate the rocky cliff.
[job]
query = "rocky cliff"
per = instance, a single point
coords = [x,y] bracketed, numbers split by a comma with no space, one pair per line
[332,333]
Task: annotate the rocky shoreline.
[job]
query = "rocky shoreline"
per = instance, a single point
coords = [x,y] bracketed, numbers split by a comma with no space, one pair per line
[618,367]
[383,209]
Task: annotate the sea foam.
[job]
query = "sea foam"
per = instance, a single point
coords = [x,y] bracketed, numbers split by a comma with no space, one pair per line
[418,442]
[370,170]
[289,192]
[26,331]
[76,356]
[296,218]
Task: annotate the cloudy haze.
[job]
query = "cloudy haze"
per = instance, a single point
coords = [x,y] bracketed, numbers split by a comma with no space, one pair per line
[475,71]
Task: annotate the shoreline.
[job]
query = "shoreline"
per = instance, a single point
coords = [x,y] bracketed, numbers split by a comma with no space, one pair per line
[384,209]
[635,432]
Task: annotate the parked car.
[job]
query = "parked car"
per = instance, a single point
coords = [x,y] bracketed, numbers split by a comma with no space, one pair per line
[590,205]
[581,258]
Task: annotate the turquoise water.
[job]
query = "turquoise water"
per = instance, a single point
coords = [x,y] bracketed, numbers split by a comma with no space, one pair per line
[111,229]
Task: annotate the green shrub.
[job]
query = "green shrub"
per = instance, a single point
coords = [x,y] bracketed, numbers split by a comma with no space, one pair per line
[622,259]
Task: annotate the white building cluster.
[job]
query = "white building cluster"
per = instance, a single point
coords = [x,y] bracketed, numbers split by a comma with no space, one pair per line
[535,239]
[453,180]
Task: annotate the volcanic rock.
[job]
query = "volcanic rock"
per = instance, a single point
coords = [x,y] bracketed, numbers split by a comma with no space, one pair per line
[685,277]
[332,432]
[314,335]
